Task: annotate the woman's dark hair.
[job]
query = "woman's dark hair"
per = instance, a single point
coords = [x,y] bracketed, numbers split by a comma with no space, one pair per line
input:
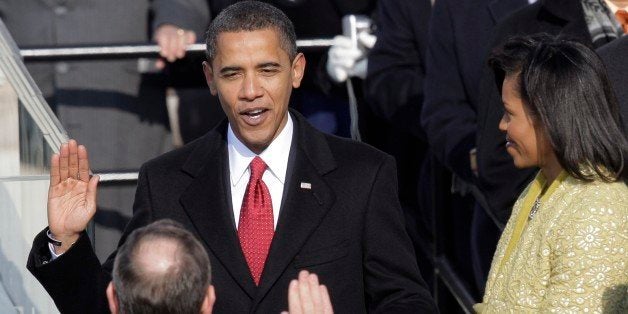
[564,86]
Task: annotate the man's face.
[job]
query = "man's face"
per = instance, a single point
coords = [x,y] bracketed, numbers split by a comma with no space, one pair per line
[253,78]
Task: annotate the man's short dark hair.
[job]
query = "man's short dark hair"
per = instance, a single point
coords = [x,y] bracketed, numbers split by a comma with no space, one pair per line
[564,87]
[249,16]
[177,285]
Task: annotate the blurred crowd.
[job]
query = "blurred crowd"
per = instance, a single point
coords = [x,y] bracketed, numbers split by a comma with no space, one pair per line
[412,75]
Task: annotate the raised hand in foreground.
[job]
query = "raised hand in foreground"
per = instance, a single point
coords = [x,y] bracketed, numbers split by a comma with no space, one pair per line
[71,195]
[307,296]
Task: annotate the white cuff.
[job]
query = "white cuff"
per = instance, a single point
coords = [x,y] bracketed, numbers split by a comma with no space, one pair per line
[53,255]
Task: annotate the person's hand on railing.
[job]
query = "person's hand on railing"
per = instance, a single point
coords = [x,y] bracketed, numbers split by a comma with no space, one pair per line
[71,195]
[172,41]
[307,296]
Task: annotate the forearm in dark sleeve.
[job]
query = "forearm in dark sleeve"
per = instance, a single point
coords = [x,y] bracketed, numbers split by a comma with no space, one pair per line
[75,280]
[394,82]
[448,117]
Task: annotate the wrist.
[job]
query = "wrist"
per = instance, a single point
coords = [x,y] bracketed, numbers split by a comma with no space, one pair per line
[61,242]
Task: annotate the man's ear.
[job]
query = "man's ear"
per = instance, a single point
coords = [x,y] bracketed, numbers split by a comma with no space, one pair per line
[208,302]
[298,70]
[112,298]
[209,77]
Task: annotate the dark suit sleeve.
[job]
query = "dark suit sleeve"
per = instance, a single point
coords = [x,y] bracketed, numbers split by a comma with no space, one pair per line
[392,279]
[188,14]
[448,117]
[394,82]
[75,280]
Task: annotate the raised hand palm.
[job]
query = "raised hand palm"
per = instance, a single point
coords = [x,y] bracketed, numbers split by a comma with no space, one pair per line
[72,194]
[69,209]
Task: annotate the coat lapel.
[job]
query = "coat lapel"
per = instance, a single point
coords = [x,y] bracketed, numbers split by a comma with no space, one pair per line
[304,208]
[206,203]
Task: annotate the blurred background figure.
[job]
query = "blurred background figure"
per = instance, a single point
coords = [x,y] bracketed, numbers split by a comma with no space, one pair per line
[615,57]
[389,118]
[322,101]
[459,41]
[563,247]
[115,107]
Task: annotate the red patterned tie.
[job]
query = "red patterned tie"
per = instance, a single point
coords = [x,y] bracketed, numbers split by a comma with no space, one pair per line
[255,228]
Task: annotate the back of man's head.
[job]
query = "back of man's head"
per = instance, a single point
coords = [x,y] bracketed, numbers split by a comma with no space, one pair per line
[161,268]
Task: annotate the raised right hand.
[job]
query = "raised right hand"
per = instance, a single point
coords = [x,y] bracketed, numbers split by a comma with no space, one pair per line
[71,195]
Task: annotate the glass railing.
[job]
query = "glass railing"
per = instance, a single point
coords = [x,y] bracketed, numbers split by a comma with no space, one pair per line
[29,134]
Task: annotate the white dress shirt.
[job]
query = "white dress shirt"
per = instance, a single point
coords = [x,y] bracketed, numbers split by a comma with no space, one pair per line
[275,156]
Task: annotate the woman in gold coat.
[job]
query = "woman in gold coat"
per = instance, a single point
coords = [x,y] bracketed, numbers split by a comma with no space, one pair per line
[564,248]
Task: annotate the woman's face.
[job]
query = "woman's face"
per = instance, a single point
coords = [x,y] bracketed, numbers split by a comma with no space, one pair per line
[525,141]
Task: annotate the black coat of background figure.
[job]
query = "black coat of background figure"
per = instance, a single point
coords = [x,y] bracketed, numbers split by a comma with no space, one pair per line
[112,106]
[615,57]
[389,117]
[460,32]
[499,179]
[348,229]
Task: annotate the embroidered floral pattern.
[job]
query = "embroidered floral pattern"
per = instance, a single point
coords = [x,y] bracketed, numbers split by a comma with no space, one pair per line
[571,257]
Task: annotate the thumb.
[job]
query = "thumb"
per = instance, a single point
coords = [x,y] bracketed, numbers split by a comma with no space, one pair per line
[367,39]
[91,194]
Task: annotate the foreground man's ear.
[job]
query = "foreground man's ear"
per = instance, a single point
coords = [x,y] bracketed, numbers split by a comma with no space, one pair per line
[209,78]
[208,302]
[112,298]
[298,69]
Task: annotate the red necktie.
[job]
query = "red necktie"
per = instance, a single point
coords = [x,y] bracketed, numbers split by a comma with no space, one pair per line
[255,228]
[622,18]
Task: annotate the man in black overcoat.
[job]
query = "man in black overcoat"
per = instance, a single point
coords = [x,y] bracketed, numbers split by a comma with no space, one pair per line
[336,212]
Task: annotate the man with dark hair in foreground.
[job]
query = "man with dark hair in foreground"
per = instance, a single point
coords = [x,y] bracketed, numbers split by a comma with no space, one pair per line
[161,268]
[267,194]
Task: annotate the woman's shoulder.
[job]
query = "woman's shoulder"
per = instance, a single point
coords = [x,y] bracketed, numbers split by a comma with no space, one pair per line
[595,202]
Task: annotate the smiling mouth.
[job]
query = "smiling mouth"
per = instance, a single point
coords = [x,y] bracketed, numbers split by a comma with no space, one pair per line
[509,143]
[254,116]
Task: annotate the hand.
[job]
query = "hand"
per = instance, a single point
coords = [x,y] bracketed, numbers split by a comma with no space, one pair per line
[307,296]
[173,42]
[345,60]
[71,195]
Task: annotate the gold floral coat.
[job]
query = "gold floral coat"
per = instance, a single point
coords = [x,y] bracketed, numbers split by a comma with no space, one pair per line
[571,257]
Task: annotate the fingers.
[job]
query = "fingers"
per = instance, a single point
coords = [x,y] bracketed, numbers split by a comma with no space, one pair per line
[315,292]
[73,165]
[326,300]
[83,164]
[366,39]
[305,294]
[173,41]
[91,195]
[294,299]
[54,170]
[64,161]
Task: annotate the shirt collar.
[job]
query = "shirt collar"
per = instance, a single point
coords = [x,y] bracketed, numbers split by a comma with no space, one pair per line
[275,155]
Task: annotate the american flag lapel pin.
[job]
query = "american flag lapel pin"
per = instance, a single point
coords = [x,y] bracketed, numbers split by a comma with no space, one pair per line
[306,185]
